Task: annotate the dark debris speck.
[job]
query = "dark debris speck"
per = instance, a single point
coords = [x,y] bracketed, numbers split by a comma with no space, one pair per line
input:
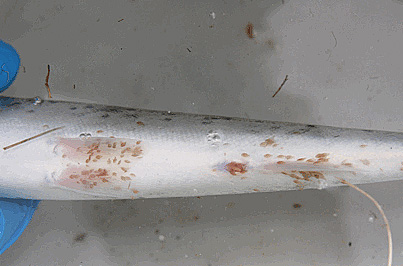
[80,237]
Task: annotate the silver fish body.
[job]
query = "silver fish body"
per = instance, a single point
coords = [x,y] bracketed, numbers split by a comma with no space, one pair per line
[104,152]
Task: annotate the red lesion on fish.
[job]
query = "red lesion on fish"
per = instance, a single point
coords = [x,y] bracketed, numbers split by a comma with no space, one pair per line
[235,168]
[304,176]
[280,162]
[321,160]
[101,166]
[124,169]
[308,174]
[292,175]
[345,163]
[267,142]
[365,162]
[137,151]
[140,123]
[89,178]
[245,155]
[363,146]
[301,159]
[267,155]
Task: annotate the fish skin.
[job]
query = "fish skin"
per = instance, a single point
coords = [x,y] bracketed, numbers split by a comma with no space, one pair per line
[165,154]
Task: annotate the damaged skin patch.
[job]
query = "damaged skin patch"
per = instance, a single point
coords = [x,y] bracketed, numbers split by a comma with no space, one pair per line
[268,142]
[235,168]
[300,176]
[345,163]
[98,163]
[308,174]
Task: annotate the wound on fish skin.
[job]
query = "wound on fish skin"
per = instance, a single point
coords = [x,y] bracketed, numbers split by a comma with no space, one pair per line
[235,168]
[267,142]
[88,163]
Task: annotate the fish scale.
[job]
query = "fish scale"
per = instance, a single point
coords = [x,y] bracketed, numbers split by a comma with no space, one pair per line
[107,152]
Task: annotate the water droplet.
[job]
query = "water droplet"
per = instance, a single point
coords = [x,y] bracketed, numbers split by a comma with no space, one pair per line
[212,15]
[213,137]
[186,256]
[272,230]
[322,184]
[169,112]
[37,101]
[84,136]
[161,238]
[195,190]
[335,214]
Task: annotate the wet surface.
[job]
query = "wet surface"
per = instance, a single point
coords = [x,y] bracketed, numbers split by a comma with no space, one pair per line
[207,58]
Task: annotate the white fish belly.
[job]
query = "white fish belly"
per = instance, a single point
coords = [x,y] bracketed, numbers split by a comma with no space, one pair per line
[103,152]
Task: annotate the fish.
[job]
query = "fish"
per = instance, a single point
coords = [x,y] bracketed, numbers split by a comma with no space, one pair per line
[56,150]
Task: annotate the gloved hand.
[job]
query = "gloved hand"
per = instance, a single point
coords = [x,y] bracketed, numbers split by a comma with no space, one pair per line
[9,65]
[15,214]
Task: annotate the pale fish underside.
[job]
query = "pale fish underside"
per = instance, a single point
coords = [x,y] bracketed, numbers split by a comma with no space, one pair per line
[75,151]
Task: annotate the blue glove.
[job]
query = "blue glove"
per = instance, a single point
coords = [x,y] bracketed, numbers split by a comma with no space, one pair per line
[15,214]
[9,65]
